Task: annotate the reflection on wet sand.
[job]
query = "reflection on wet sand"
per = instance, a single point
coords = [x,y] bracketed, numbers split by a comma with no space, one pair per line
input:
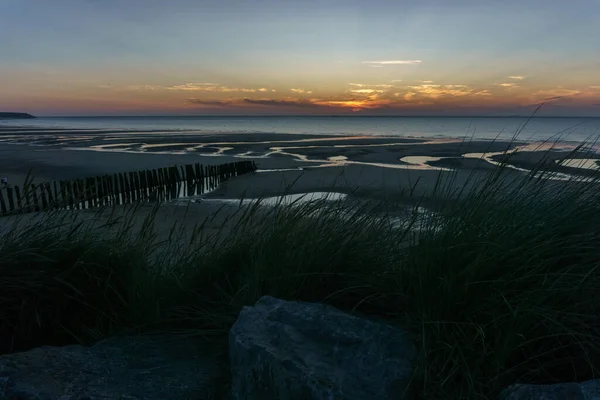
[405,153]
[298,198]
[585,163]
[422,162]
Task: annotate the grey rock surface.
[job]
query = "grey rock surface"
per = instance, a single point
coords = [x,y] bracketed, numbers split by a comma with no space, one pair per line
[132,368]
[589,390]
[293,350]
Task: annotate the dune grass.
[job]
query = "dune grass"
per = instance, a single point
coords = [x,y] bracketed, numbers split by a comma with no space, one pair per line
[498,283]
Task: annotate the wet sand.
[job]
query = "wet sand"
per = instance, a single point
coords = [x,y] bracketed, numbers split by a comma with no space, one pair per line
[382,168]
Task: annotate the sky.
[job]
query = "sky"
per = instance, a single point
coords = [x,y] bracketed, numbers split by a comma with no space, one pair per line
[300,57]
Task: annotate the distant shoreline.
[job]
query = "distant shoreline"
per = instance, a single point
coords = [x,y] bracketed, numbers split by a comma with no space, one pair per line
[321,116]
[15,115]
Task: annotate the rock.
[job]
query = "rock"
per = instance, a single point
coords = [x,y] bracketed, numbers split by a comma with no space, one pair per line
[293,350]
[132,368]
[589,390]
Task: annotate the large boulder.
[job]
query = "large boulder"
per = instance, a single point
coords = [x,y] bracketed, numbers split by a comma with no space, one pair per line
[293,350]
[589,390]
[133,368]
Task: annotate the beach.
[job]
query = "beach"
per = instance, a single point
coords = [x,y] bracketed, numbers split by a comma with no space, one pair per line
[366,167]
[407,225]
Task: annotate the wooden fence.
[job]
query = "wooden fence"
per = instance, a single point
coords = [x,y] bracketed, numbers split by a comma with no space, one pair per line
[122,188]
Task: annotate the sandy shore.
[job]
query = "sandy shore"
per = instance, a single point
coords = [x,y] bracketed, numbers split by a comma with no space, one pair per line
[382,168]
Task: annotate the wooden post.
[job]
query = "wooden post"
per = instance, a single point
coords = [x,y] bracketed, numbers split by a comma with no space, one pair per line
[106,189]
[106,186]
[189,173]
[198,171]
[159,178]
[117,189]
[43,196]
[63,195]
[34,197]
[131,187]
[122,188]
[200,176]
[169,175]
[56,195]
[141,175]
[107,193]
[166,176]
[11,200]
[80,190]
[70,199]
[123,180]
[180,174]
[76,195]
[172,177]
[51,201]
[114,188]
[212,176]
[88,193]
[19,201]
[100,191]
[131,177]
[136,182]
[164,182]
[27,197]
[147,182]
[82,193]
[155,178]
[145,177]
[3,203]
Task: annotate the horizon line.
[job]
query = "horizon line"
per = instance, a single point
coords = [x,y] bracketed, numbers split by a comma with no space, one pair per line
[316,116]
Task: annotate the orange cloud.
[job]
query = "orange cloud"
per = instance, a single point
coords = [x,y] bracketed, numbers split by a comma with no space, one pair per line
[366,85]
[279,103]
[438,91]
[366,91]
[355,105]
[302,91]
[555,94]
[197,87]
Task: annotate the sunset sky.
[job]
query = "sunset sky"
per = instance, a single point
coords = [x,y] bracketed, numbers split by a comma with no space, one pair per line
[307,57]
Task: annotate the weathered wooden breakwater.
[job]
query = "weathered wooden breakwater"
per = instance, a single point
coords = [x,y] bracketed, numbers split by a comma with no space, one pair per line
[121,188]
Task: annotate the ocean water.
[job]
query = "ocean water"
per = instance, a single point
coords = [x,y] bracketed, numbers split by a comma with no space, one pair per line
[568,129]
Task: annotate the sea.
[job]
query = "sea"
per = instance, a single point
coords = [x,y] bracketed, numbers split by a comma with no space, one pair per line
[529,129]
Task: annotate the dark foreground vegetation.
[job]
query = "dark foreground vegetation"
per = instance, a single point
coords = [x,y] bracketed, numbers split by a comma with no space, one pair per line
[498,285]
